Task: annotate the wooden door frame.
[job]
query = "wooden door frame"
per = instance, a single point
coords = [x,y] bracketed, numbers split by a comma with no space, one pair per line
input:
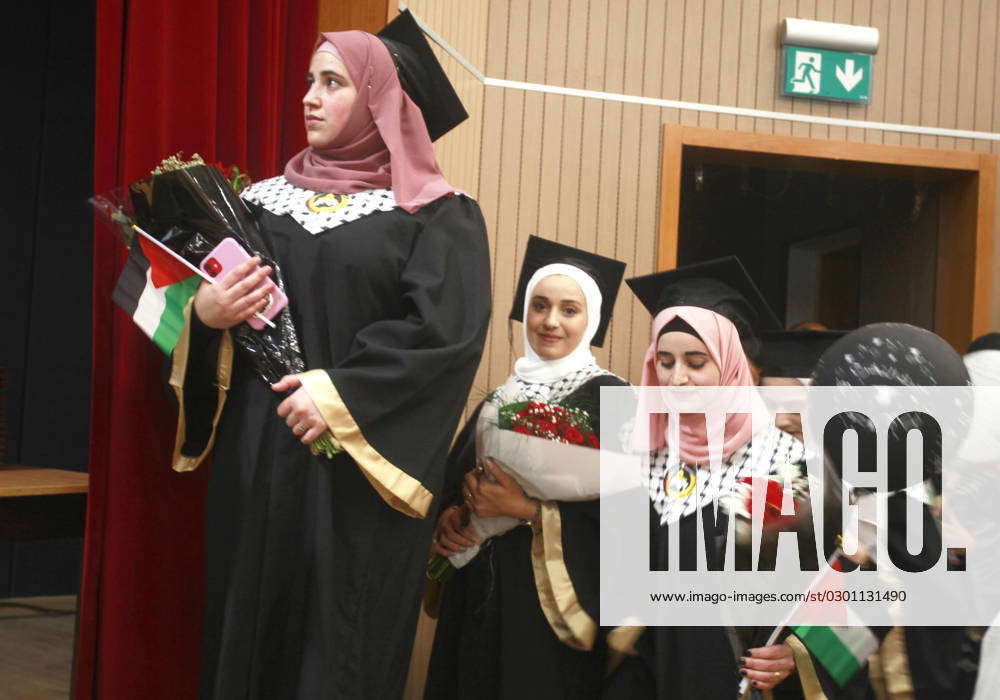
[967,213]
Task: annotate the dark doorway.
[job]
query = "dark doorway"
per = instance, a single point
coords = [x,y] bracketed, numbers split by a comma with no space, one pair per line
[838,248]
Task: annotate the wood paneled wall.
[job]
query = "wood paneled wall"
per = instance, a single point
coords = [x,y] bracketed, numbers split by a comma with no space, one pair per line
[586,171]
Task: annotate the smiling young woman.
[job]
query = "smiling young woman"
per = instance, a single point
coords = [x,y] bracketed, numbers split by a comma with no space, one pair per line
[520,619]
[557,317]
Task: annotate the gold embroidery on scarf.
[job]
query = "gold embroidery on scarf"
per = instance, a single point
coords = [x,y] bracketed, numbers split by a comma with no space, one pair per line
[327,203]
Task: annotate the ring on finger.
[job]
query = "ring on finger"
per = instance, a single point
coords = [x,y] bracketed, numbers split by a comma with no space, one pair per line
[468,495]
[776,674]
[299,429]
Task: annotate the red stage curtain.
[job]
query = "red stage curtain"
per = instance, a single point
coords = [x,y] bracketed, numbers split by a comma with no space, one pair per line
[223,79]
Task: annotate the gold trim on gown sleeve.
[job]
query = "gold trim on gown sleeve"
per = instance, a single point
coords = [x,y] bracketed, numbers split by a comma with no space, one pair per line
[889,668]
[621,643]
[567,618]
[399,489]
[178,371]
[812,689]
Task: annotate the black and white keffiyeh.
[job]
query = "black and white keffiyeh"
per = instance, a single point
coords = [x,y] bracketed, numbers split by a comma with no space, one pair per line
[279,196]
[517,389]
[677,489]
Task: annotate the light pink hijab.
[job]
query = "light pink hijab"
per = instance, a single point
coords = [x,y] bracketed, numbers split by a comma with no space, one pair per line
[384,143]
[723,343]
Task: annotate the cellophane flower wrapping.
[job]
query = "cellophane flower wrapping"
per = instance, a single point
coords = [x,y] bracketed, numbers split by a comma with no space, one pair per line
[191,207]
[553,468]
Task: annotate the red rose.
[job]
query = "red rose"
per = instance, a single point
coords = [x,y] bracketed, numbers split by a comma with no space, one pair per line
[573,435]
[545,426]
[522,430]
[594,442]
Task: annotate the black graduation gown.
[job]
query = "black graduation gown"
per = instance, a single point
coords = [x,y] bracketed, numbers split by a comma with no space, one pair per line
[493,639]
[314,566]
[699,662]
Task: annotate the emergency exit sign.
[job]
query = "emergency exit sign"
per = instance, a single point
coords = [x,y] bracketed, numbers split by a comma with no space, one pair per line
[821,74]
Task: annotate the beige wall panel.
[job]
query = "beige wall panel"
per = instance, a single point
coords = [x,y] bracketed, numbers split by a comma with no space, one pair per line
[551,125]
[491,165]
[767,78]
[609,174]
[912,83]
[711,64]
[690,65]
[592,143]
[769,36]
[878,17]
[861,12]
[533,56]
[672,53]
[625,225]
[967,78]
[729,59]
[896,59]
[573,144]
[951,30]
[596,39]
[967,50]
[986,78]
[746,92]
[933,29]
[510,241]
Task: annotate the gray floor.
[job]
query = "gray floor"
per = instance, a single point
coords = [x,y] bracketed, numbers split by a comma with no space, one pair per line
[36,647]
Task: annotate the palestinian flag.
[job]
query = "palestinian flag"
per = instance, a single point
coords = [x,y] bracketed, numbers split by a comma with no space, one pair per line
[153,289]
[843,651]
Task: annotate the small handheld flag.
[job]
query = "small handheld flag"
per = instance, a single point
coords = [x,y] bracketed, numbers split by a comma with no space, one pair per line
[155,286]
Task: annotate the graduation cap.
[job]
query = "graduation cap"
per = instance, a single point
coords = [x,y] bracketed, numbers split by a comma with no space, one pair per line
[421,76]
[607,272]
[990,341]
[794,353]
[721,285]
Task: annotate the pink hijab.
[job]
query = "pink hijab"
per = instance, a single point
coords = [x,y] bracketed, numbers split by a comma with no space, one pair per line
[384,143]
[723,342]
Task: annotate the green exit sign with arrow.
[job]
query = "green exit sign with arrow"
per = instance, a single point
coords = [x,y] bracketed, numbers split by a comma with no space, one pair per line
[821,74]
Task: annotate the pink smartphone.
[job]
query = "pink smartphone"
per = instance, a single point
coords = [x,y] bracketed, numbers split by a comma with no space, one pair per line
[228,255]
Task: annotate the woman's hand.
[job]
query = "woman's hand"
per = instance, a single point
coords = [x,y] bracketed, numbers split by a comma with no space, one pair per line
[299,411]
[489,491]
[450,537]
[234,298]
[765,667]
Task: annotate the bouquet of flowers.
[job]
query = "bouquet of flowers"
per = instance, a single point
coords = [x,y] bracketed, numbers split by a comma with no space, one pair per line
[185,209]
[550,449]
[563,424]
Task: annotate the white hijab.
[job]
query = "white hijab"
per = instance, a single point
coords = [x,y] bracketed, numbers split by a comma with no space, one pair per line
[983,441]
[535,370]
